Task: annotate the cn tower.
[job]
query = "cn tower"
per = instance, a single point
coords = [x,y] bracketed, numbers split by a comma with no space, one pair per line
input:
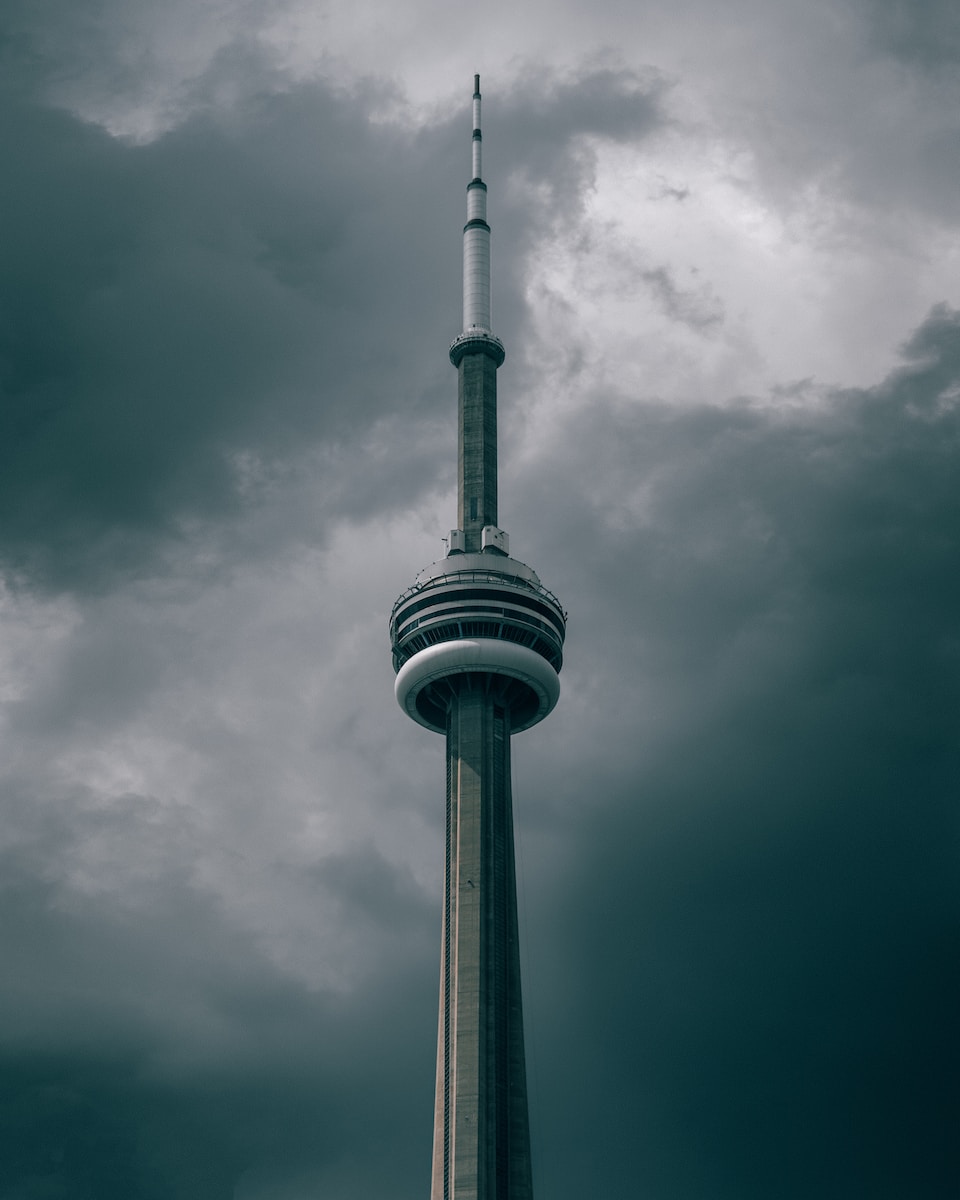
[477,647]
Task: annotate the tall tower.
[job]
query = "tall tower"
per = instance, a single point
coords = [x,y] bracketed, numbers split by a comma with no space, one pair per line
[477,647]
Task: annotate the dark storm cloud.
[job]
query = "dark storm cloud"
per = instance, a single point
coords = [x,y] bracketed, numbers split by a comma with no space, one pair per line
[759,910]
[737,830]
[236,283]
[153,1049]
[925,35]
[547,113]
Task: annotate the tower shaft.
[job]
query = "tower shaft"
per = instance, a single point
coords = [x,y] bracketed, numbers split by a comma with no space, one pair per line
[477,448]
[481,1131]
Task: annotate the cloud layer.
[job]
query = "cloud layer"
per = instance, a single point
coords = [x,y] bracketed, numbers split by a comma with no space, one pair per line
[731,431]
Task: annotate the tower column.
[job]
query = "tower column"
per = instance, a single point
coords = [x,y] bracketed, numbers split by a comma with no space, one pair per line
[481,1127]
[477,447]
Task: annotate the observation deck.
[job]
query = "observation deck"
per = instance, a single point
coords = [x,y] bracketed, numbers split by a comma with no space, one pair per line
[477,341]
[484,616]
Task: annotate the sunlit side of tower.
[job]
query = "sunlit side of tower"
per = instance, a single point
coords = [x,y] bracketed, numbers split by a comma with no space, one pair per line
[477,646]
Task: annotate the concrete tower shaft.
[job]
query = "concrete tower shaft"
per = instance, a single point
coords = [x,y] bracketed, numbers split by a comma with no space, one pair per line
[481,1136]
[477,646]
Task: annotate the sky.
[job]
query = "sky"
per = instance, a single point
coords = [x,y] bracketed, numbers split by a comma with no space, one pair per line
[726,269]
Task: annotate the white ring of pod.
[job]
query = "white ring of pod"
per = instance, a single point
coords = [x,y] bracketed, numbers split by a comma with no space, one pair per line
[481,655]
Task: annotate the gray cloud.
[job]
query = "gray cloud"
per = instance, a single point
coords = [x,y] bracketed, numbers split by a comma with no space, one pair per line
[757,901]
[924,35]
[174,303]
[226,404]
[697,308]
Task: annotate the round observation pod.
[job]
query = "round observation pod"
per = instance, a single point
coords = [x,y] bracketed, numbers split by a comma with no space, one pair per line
[477,620]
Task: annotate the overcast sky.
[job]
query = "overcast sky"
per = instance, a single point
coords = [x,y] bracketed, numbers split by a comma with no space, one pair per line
[726,246]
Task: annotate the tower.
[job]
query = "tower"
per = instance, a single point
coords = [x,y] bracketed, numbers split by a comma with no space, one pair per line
[477,647]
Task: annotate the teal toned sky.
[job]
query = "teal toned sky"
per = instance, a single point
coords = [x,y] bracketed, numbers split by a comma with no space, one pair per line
[727,273]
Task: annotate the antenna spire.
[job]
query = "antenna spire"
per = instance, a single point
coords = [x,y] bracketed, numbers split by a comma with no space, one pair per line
[476,237]
[477,136]
[476,353]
